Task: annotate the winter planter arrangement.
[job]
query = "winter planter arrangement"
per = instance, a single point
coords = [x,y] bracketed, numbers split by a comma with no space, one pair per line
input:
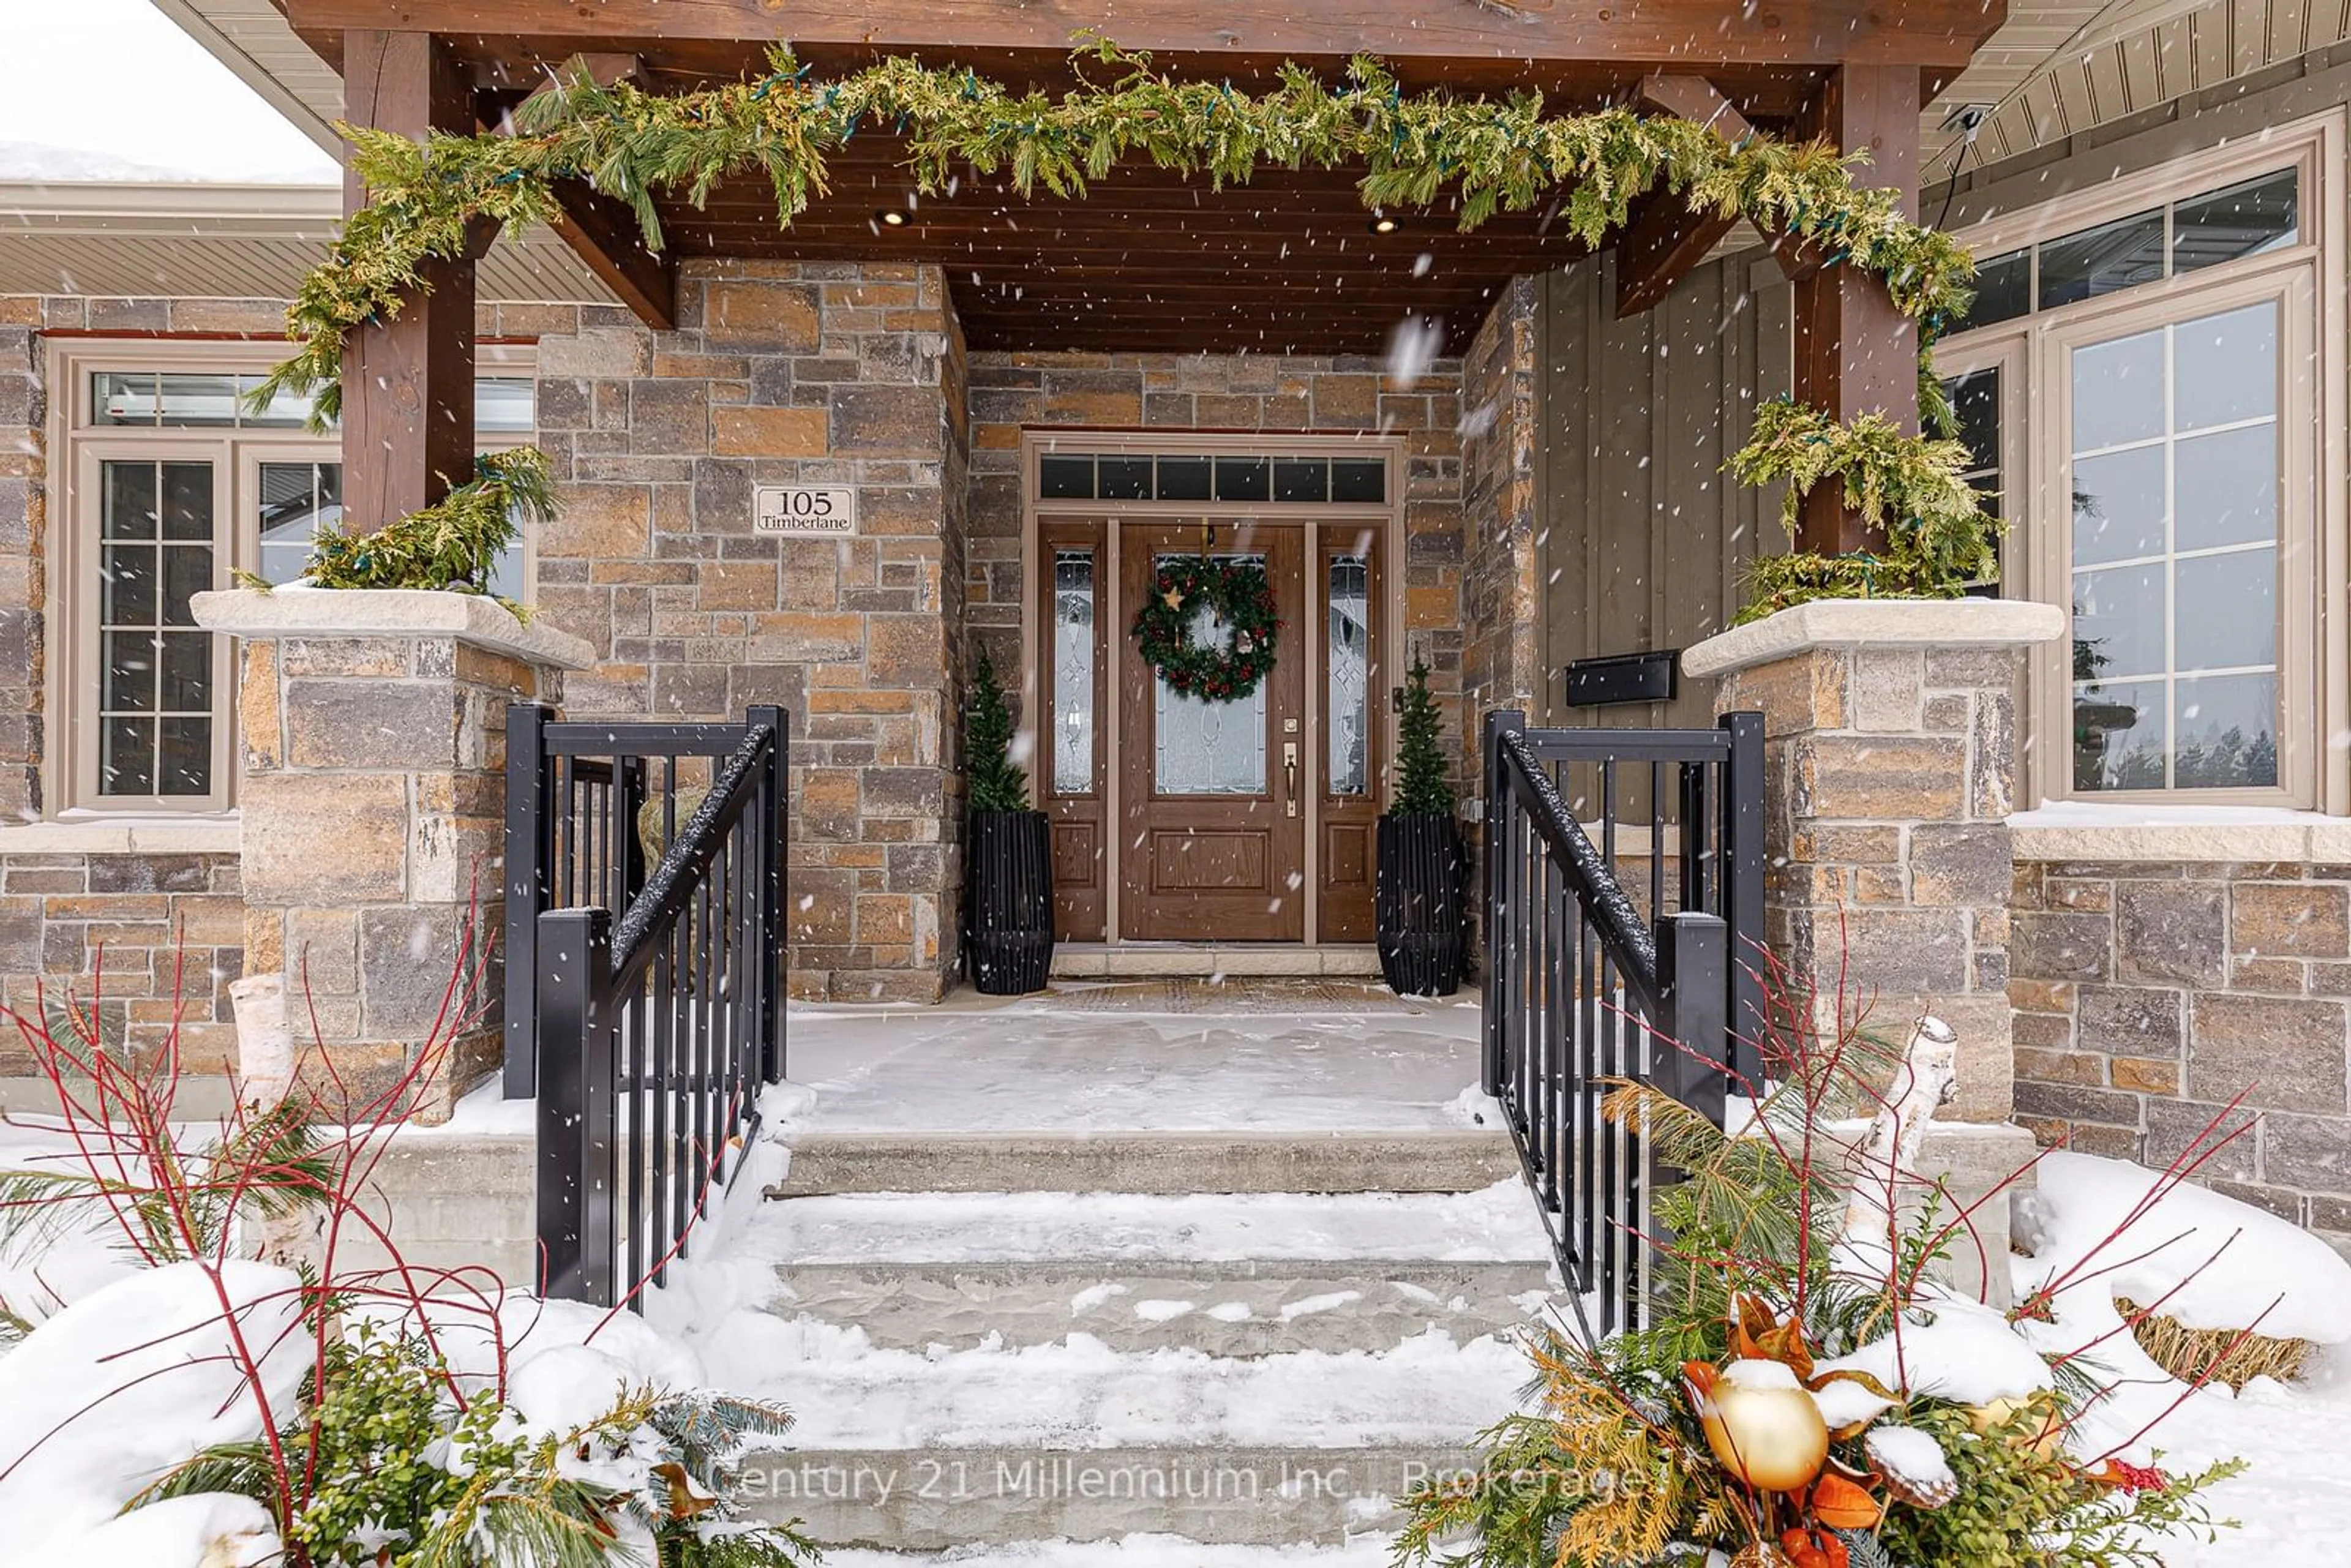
[1008,861]
[197,1371]
[1422,866]
[1810,1391]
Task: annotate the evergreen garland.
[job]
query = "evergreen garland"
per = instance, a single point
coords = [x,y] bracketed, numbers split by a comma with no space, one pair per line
[1492,155]
[996,781]
[1937,540]
[1421,784]
[453,544]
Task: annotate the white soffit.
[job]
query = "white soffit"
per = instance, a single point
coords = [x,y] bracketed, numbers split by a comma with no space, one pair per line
[195,241]
[253,38]
[2057,70]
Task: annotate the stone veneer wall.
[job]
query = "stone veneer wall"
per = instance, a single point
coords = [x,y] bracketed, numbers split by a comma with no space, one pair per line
[2149,993]
[785,372]
[1250,392]
[1501,600]
[151,936]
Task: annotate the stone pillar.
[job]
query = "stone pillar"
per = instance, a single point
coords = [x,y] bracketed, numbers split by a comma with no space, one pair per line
[1889,773]
[372,791]
[1890,764]
[836,373]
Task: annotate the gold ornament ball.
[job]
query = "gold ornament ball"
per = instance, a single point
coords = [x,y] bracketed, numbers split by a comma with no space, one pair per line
[1994,1413]
[1762,1426]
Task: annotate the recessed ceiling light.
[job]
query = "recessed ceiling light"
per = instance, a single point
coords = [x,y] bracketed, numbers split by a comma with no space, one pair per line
[892,217]
[1384,225]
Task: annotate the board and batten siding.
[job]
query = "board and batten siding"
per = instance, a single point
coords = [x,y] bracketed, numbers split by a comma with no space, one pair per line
[1647,538]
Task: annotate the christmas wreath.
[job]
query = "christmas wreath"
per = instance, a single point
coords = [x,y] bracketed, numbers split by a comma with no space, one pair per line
[1241,600]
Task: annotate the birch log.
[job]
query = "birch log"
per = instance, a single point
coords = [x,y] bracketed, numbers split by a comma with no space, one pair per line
[1928,1078]
[264,1066]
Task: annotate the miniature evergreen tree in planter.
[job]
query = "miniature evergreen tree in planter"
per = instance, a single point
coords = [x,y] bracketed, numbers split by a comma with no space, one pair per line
[1421,860]
[1009,896]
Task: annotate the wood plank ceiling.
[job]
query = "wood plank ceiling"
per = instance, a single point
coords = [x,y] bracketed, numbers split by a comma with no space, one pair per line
[2056,68]
[1291,262]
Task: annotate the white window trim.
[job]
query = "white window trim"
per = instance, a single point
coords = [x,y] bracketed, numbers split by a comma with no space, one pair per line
[2315,758]
[77,444]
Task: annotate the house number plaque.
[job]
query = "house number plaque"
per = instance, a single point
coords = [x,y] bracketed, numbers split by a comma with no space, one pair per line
[809,510]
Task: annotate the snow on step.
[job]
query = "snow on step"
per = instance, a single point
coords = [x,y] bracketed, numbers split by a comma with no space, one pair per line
[1495,1225]
[1083,1394]
[1242,1275]
[914,1452]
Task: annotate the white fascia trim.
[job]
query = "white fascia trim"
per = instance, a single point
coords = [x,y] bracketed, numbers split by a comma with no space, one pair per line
[304,117]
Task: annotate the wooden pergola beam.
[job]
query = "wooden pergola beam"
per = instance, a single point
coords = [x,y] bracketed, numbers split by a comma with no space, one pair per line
[408,384]
[1790,32]
[1854,352]
[602,231]
[1667,239]
[604,235]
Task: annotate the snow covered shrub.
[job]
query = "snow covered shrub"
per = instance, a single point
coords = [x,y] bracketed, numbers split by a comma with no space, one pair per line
[405,1476]
[301,1411]
[1810,1392]
[2211,1289]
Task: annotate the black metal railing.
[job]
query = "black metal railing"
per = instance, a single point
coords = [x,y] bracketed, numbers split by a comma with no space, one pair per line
[1635,958]
[644,975]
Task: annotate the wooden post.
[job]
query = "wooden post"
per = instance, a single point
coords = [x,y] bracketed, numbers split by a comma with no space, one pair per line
[1854,352]
[408,384]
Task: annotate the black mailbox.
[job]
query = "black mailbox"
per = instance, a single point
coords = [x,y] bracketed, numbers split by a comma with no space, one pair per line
[1623,678]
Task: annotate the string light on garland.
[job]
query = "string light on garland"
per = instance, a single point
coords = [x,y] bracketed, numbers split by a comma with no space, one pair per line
[1484,155]
[1239,599]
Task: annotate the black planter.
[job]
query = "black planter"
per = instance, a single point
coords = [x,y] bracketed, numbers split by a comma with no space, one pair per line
[1422,925]
[1010,935]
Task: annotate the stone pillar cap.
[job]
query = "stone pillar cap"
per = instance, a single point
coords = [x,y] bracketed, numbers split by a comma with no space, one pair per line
[1877,623]
[472,618]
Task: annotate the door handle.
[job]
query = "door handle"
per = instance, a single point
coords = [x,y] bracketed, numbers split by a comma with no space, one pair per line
[1290,778]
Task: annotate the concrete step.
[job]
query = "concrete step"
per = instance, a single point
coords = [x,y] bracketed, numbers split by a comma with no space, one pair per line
[1247,1274]
[1253,1308]
[900,1501]
[904,1449]
[1446,1160]
[1126,960]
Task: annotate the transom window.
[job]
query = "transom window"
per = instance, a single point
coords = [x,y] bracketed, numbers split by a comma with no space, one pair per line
[1204,476]
[2142,398]
[169,484]
[2252,217]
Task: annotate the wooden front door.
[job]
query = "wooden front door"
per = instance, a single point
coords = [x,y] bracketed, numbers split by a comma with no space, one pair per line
[1214,794]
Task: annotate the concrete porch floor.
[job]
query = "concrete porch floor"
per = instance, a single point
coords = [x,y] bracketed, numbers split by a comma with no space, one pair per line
[1161,1056]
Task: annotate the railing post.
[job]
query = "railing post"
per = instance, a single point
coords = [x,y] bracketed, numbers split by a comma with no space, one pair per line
[1499,723]
[774,827]
[1743,890]
[580,1027]
[1692,997]
[529,854]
